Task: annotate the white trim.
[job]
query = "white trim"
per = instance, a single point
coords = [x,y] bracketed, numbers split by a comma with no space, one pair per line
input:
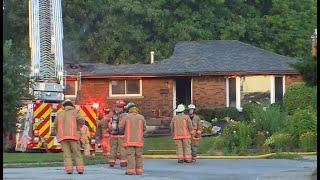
[75,91]
[227,92]
[283,85]
[125,86]
[272,90]
[191,89]
[174,95]
[238,94]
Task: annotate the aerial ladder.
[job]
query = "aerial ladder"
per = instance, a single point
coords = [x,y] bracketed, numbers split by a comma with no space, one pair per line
[47,81]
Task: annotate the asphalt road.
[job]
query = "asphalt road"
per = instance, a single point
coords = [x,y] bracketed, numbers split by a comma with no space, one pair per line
[256,169]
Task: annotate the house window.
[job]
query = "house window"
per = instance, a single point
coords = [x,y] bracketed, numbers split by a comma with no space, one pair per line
[125,88]
[278,88]
[255,88]
[262,89]
[232,92]
[71,89]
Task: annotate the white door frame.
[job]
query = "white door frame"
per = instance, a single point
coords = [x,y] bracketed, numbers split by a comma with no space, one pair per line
[174,95]
[191,90]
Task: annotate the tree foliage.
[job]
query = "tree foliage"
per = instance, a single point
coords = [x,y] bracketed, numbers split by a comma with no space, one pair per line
[123,32]
[308,70]
[15,79]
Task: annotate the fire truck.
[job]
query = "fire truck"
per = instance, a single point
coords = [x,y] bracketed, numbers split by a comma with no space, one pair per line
[48,81]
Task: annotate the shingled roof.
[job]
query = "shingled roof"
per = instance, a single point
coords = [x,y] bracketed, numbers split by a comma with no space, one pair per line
[202,57]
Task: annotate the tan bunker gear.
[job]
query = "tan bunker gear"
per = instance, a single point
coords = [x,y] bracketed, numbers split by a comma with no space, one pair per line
[181,128]
[134,125]
[67,129]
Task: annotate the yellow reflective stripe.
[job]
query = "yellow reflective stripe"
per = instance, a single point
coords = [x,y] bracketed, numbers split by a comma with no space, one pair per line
[88,119]
[60,109]
[47,113]
[43,105]
[44,127]
[94,115]
[50,144]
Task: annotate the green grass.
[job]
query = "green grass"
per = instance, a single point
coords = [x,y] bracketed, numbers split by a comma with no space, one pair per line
[284,155]
[159,143]
[31,157]
[152,145]
[13,158]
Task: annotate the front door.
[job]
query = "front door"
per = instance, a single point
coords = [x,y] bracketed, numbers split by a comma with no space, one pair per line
[183,91]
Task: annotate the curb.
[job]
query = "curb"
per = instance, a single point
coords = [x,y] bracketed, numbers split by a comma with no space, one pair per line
[52,164]
[228,157]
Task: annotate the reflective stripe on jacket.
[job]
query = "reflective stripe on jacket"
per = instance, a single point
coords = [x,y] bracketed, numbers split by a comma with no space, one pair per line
[196,128]
[84,132]
[66,124]
[181,127]
[133,125]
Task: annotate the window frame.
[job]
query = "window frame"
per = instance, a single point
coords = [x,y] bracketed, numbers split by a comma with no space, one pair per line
[75,90]
[239,106]
[125,89]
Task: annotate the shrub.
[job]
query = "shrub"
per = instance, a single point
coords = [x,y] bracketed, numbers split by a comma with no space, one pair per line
[237,135]
[282,141]
[269,120]
[279,141]
[219,142]
[208,113]
[302,121]
[259,138]
[299,96]
[248,110]
[308,141]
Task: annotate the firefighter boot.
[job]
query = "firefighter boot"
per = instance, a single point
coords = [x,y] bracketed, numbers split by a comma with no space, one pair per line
[111,164]
[123,164]
[194,158]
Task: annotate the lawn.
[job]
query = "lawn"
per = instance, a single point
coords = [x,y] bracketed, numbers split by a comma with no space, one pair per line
[12,158]
[152,145]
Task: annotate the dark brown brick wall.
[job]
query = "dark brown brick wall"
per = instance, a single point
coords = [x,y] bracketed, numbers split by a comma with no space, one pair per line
[93,90]
[209,91]
[153,103]
[289,79]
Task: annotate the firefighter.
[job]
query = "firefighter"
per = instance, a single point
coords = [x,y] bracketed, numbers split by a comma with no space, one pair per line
[67,130]
[84,137]
[181,130]
[133,126]
[117,136]
[195,138]
[103,126]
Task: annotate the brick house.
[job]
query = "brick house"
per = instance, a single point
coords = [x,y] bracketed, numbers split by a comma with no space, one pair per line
[216,73]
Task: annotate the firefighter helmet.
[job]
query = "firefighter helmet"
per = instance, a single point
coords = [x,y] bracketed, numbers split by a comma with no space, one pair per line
[130,105]
[180,108]
[67,102]
[106,110]
[120,103]
[191,106]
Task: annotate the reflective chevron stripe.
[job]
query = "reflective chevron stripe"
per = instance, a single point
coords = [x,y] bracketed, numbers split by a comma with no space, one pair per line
[90,117]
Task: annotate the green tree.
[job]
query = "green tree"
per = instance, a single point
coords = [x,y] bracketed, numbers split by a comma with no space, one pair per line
[15,79]
[308,70]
